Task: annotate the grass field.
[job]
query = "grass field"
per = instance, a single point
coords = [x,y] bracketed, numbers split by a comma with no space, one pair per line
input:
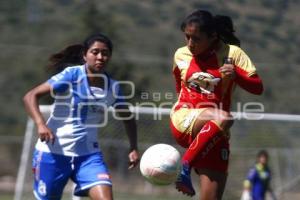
[139,197]
[116,197]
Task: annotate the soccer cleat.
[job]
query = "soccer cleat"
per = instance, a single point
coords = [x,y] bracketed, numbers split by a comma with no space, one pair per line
[183,182]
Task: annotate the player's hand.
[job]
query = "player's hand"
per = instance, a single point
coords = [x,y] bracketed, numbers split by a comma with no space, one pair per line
[134,159]
[246,195]
[227,70]
[45,134]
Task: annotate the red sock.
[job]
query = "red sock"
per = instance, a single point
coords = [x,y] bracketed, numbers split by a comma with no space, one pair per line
[203,142]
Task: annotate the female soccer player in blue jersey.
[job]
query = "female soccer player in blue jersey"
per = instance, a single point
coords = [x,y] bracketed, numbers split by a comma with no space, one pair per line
[67,147]
[259,177]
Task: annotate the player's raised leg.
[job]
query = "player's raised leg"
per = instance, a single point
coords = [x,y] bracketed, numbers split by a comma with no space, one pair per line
[207,130]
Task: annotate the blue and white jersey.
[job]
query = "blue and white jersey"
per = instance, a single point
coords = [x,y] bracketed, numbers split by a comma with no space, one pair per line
[79,111]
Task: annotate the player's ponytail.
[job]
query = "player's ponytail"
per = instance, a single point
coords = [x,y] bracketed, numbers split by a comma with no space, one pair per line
[225,30]
[70,56]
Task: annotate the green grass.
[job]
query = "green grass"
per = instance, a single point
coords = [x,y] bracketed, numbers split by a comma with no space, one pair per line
[143,197]
[118,196]
[6,197]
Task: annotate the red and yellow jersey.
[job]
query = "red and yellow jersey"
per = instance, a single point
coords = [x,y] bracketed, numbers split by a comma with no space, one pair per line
[198,80]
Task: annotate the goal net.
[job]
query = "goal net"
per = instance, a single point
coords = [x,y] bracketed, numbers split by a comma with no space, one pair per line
[276,133]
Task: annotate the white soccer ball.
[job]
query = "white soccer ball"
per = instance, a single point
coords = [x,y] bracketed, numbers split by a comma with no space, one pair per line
[160,164]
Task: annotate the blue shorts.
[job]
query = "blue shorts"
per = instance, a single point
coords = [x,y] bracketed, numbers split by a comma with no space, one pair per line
[52,172]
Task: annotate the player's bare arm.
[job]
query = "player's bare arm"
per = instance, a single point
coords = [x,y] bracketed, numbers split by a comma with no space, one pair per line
[131,131]
[30,100]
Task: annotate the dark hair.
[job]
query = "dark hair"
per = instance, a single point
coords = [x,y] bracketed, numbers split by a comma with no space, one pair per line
[262,153]
[222,25]
[89,41]
[73,54]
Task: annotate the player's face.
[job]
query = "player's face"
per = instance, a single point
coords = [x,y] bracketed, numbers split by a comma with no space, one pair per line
[197,40]
[97,57]
[263,160]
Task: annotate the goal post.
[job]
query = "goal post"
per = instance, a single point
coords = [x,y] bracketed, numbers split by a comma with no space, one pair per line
[25,158]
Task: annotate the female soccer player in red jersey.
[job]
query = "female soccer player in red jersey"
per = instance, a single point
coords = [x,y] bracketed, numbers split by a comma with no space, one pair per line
[206,71]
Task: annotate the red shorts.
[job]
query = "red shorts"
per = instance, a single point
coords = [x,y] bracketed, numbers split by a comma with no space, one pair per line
[217,156]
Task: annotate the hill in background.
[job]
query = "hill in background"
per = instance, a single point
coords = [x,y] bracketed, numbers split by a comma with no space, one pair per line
[145,35]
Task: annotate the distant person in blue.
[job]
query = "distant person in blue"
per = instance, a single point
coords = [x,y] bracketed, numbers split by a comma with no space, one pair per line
[68,147]
[259,177]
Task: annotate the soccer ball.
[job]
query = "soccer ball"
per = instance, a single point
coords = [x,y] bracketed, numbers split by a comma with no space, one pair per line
[160,164]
